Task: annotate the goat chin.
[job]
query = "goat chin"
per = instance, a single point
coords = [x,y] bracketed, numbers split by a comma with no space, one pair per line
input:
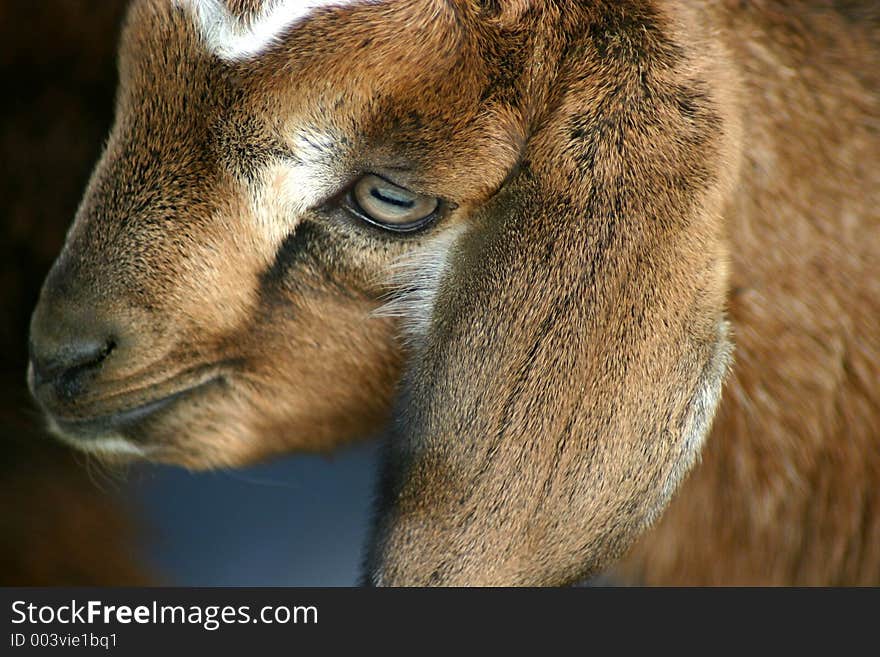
[607,273]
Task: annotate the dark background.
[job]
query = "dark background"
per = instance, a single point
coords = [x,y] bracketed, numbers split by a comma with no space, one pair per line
[64,519]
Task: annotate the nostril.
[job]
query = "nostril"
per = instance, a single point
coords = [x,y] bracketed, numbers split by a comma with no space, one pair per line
[73,333]
[67,366]
[89,356]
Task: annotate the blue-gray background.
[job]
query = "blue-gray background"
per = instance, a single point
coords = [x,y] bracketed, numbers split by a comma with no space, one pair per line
[298,521]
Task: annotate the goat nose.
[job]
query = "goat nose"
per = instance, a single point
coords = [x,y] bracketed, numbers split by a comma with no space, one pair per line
[66,366]
[67,344]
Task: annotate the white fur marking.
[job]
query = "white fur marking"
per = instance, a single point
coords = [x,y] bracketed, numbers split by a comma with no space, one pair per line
[116,445]
[106,445]
[415,280]
[292,186]
[312,175]
[701,411]
[231,39]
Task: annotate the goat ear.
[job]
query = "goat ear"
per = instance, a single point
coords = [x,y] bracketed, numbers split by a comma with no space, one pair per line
[576,348]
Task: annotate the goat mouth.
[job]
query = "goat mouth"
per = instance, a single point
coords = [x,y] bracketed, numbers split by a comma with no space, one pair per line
[85,427]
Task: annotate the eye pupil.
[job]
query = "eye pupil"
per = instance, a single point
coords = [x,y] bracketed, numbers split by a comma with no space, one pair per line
[403,203]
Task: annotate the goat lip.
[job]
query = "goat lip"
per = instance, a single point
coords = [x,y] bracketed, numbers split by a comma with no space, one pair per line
[85,427]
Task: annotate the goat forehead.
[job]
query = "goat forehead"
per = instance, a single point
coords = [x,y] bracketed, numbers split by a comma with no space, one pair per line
[240,29]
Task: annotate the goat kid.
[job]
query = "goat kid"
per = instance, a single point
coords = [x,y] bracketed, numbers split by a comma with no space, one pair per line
[570,211]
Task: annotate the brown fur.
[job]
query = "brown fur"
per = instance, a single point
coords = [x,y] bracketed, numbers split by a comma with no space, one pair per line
[789,488]
[621,178]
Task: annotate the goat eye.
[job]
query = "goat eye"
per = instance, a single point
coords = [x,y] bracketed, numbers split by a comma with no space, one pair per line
[392,207]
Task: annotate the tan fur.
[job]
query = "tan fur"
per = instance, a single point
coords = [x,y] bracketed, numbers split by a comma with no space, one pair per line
[631,187]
